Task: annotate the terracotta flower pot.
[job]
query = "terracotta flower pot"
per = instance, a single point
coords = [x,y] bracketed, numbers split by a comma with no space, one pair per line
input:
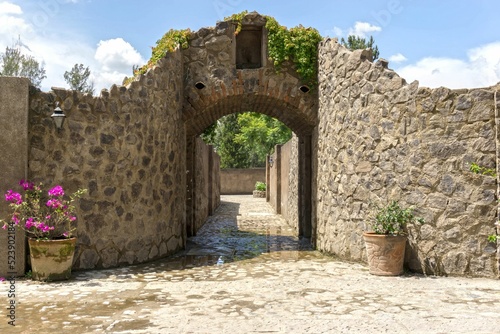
[385,253]
[51,260]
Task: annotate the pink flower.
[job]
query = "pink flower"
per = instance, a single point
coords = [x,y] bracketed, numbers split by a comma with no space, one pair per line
[54,203]
[13,197]
[4,227]
[45,228]
[56,191]
[2,279]
[26,185]
[66,234]
[15,219]
[29,223]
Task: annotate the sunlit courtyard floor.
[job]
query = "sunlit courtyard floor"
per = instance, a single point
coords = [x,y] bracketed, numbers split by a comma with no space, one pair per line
[270,282]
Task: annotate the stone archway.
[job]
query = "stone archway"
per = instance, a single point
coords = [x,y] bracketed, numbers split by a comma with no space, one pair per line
[269,106]
[217,82]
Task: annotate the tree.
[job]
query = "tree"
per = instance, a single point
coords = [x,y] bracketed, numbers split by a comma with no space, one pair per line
[15,64]
[232,154]
[244,140]
[77,79]
[356,42]
[259,134]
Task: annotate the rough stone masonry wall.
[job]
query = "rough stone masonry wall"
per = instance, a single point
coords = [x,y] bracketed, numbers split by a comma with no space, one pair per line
[292,203]
[284,185]
[207,183]
[380,139]
[127,147]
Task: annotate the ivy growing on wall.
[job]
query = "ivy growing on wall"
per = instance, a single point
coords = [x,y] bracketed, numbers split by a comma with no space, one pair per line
[237,18]
[168,43]
[298,44]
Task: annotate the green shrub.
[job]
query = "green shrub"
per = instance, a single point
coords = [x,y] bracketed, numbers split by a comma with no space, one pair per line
[260,186]
[392,218]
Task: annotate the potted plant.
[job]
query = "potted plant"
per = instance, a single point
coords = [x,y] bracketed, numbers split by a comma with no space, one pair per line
[260,189]
[386,242]
[48,218]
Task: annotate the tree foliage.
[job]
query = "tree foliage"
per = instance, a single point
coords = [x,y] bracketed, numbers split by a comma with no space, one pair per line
[244,140]
[78,79]
[259,134]
[232,153]
[355,43]
[14,63]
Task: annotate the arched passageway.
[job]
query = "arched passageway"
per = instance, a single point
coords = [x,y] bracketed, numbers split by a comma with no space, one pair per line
[227,73]
[289,114]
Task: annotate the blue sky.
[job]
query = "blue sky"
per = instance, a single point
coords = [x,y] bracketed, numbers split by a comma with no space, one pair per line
[439,43]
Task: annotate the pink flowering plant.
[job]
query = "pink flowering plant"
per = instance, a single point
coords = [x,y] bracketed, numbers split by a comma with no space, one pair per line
[43,215]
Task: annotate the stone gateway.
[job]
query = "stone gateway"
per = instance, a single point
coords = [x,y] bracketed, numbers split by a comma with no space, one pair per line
[362,135]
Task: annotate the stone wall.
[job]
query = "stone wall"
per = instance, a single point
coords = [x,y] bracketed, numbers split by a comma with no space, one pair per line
[274,183]
[292,198]
[380,139]
[283,185]
[284,159]
[14,142]
[127,147]
[215,184]
[207,183]
[235,181]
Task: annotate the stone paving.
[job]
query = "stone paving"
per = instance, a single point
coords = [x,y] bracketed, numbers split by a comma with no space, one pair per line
[270,282]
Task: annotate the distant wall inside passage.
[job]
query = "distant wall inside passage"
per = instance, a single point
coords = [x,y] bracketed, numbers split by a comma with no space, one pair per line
[240,181]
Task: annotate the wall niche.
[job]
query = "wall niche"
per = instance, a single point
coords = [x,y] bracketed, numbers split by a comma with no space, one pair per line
[249,50]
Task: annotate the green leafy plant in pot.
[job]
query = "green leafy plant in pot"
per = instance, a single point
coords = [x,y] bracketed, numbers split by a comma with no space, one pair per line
[260,189]
[386,242]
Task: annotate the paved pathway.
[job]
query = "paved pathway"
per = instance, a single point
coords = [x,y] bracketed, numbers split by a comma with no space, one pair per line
[269,283]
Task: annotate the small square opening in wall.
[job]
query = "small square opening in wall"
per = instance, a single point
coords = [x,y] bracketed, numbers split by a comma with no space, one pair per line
[249,48]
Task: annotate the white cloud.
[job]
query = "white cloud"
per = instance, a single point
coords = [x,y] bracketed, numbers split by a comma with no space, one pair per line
[115,57]
[13,24]
[9,8]
[362,29]
[480,69]
[397,58]
[117,54]
[336,31]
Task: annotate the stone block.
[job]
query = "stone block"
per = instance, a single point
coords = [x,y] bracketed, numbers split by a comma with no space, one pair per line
[88,259]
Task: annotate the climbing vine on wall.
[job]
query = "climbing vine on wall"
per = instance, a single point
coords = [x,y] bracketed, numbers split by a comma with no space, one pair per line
[237,18]
[298,44]
[168,43]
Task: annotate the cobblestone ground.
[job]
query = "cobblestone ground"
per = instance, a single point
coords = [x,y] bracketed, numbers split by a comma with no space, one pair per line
[270,282]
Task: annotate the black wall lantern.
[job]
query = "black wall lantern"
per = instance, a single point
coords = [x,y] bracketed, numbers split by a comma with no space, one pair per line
[58,117]
[271,162]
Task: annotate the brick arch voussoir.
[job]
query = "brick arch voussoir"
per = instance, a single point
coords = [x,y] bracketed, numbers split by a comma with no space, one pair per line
[299,118]
[277,95]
